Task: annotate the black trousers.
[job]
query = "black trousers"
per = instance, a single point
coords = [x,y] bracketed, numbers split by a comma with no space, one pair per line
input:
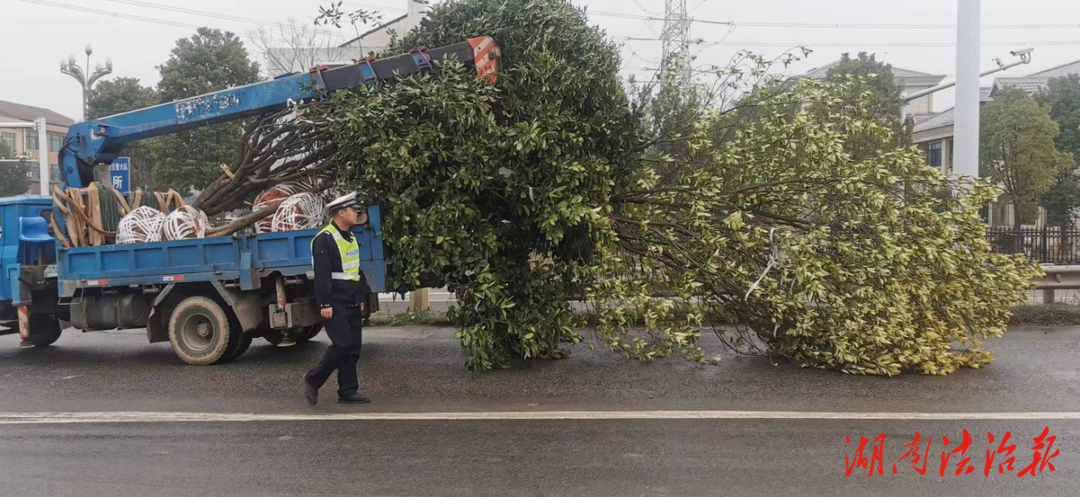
[344,330]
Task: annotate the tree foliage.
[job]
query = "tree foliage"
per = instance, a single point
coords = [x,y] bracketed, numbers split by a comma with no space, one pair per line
[550,186]
[14,176]
[500,189]
[1017,147]
[866,75]
[1062,199]
[116,96]
[209,60]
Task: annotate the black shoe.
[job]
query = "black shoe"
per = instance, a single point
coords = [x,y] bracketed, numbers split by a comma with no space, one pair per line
[311,393]
[354,399]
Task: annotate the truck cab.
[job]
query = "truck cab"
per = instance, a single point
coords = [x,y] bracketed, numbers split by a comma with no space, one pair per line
[28,261]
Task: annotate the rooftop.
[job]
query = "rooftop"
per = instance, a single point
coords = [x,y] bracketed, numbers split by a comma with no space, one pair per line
[898,73]
[380,27]
[29,113]
[946,118]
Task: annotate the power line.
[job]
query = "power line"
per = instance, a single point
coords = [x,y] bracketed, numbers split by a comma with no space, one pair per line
[114,14]
[861,44]
[823,25]
[226,17]
[812,25]
[133,17]
[373,6]
[896,45]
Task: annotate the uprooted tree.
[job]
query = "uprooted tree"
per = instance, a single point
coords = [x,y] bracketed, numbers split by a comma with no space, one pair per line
[549,187]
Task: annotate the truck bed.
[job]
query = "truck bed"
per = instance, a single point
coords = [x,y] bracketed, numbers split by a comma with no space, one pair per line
[243,258]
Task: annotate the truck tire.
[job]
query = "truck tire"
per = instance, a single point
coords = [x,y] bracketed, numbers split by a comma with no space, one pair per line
[44,330]
[238,340]
[201,333]
[273,336]
[245,342]
[308,332]
[305,334]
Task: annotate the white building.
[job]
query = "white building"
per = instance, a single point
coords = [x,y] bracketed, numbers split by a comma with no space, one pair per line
[912,82]
[934,133]
[378,38]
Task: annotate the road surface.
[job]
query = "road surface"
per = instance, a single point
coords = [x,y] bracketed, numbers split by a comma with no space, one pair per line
[108,414]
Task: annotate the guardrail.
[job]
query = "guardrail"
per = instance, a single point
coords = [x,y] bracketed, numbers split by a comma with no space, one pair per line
[1048,245]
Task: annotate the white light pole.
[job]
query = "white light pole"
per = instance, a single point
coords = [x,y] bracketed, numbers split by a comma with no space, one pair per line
[966,130]
[43,155]
[85,78]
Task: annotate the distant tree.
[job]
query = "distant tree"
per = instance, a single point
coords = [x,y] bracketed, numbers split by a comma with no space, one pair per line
[294,46]
[1062,200]
[14,176]
[118,96]
[211,60]
[1017,148]
[873,81]
[121,95]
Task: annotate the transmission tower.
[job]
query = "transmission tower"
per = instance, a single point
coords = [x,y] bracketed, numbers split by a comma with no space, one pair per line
[676,37]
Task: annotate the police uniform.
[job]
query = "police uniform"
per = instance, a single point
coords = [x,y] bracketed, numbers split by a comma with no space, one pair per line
[339,285]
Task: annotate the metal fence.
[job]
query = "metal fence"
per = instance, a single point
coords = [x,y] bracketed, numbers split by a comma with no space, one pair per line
[1049,245]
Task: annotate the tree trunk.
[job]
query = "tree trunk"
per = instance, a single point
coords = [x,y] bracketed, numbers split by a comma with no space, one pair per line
[1019,238]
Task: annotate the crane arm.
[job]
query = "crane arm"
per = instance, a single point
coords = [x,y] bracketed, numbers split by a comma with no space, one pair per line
[100,141]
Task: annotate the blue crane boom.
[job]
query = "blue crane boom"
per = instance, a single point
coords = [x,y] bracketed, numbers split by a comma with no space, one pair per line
[100,141]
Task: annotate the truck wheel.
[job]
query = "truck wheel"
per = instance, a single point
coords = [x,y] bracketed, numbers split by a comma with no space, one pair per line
[238,340]
[273,336]
[245,342]
[308,332]
[200,332]
[44,330]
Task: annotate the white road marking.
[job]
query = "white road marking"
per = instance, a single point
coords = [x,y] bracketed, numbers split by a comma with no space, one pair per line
[210,417]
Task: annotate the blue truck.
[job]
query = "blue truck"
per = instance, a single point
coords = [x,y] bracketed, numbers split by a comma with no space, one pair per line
[208,297]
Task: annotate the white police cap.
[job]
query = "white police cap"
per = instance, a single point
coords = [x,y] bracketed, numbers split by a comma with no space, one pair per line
[342,202]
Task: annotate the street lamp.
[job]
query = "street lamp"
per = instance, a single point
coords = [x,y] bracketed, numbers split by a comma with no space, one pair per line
[71,68]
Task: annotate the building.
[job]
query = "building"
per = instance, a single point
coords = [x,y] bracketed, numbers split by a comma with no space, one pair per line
[24,141]
[378,38]
[911,81]
[287,60]
[934,134]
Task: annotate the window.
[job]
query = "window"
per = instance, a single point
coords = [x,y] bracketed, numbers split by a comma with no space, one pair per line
[951,151]
[9,140]
[56,142]
[31,141]
[933,155]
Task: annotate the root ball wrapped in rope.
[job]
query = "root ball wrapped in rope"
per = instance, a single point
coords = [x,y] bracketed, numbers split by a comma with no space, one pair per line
[185,223]
[142,225]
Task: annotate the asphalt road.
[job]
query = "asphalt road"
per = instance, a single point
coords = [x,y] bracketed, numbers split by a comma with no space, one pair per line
[421,371]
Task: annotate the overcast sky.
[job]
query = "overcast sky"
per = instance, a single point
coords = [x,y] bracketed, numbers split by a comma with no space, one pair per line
[913,34]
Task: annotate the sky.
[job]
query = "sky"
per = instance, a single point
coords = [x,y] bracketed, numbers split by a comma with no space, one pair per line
[914,34]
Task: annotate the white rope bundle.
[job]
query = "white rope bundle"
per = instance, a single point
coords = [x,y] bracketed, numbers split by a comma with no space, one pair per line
[185,223]
[269,195]
[140,226]
[298,212]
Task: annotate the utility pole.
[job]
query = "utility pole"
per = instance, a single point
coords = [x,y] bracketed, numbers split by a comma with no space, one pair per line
[83,76]
[966,141]
[676,38]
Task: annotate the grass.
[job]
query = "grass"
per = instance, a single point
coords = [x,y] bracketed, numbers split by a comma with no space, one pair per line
[411,318]
[1056,314]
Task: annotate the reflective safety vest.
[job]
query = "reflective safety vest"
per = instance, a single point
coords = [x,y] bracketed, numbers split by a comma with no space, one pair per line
[350,255]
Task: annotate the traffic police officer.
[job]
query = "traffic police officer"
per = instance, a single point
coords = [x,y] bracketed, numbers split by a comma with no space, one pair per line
[341,293]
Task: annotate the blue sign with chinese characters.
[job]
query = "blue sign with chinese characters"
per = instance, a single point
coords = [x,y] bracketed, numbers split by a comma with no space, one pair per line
[120,172]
